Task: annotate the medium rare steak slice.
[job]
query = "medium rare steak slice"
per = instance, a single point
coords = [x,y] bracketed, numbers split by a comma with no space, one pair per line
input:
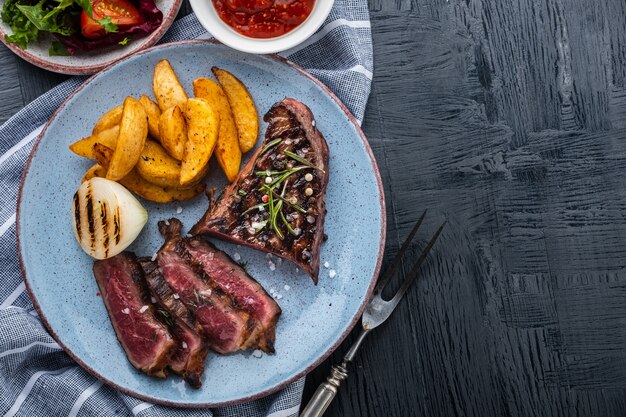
[277,203]
[146,341]
[191,351]
[225,327]
[231,278]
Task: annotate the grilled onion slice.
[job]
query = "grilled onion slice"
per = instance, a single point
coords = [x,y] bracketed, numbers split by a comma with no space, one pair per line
[106,217]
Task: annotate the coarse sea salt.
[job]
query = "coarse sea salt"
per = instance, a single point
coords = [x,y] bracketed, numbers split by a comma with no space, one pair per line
[152,300]
[236,256]
[272,291]
[257,353]
[154,256]
[332,273]
[184,345]
[272,265]
[278,297]
[176,297]
[143,309]
[287,287]
[326,264]
[126,311]
[179,210]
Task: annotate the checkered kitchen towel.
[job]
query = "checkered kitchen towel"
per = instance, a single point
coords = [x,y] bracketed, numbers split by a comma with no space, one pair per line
[36,377]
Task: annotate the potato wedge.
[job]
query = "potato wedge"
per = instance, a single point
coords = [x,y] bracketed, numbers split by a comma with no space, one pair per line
[167,88]
[95,171]
[135,183]
[133,134]
[157,167]
[227,149]
[173,132]
[108,120]
[154,114]
[202,130]
[84,147]
[244,109]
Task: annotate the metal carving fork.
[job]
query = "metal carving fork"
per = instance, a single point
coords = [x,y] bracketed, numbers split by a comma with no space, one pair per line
[376,312]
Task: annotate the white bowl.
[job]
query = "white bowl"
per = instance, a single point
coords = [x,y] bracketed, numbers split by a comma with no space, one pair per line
[208,17]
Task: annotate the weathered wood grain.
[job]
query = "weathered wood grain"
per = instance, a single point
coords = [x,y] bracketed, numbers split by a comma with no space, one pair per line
[509,120]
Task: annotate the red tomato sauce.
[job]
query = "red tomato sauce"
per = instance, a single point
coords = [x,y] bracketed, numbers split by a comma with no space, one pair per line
[263,18]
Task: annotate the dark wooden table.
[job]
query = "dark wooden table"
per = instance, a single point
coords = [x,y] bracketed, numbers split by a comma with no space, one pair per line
[508,118]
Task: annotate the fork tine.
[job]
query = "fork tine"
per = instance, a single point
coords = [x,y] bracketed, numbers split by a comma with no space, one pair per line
[416,268]
[384,278]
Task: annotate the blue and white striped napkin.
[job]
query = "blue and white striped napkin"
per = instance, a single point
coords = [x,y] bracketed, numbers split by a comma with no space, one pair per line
[36,377]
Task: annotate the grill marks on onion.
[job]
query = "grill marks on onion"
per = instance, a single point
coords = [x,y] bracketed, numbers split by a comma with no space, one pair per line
[106,217]
[102,223]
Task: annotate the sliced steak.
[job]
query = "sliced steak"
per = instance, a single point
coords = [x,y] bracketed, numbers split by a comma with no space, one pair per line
[146,341]
[191,351]
[287,176]
[225,327]
[232,279]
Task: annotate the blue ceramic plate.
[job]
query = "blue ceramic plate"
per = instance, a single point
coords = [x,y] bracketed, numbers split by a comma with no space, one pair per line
[315,319]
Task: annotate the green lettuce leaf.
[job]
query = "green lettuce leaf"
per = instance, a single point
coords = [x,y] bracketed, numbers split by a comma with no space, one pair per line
[24,31]
[47,20]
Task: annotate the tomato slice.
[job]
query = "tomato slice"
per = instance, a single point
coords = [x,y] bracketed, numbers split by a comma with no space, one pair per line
[121,12]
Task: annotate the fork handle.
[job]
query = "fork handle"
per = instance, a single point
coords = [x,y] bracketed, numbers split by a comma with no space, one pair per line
[325,392]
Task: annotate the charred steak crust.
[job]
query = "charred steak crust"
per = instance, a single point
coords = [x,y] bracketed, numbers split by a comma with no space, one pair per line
[236,217]
[146,341]
[189,357]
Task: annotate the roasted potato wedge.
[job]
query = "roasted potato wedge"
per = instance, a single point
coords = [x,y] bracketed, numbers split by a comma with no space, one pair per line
[167,88]
[173,132]
[202,130]
[135,183]
[108,120]
[227,149]
[154,114]
[244,109]
[95,171]
[84,147]
[130,142]
[157,167]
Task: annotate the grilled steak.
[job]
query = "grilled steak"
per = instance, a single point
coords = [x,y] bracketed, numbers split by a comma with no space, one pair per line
[225,327]
[277,203]
[146,341]
[190,354]
[231,278]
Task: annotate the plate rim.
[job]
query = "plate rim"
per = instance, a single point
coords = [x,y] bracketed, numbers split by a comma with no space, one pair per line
[281,385]
[145,42]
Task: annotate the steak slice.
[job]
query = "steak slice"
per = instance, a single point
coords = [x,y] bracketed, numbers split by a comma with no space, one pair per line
[225,327]
[232,279]
[289,221]
[146,341]
[191,351]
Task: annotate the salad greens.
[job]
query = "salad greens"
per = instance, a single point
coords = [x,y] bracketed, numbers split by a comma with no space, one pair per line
[62,19]
[55,16]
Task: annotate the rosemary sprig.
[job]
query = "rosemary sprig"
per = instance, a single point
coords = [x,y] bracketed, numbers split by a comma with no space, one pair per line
[166,317]
[295,206]
[274,209]
[268,173]
[254,207]
[286,175]
[300,159]
[289,228]
[271,145]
